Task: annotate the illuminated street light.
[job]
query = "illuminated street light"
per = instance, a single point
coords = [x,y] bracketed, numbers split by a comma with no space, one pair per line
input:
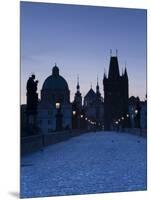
[127,115]
[122,118]
[57,105]
[136,111]
[81,116]
[74,112]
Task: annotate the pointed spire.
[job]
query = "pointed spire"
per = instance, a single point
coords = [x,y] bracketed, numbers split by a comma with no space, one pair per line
[91,85]
[125,73]
[104,76]
[125,64]
[78,86]
[97,85]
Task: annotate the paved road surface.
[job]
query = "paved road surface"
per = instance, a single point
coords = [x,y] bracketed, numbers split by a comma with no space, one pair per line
[91,163]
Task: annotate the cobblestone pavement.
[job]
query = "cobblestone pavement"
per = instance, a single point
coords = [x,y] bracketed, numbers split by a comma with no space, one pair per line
[90,163]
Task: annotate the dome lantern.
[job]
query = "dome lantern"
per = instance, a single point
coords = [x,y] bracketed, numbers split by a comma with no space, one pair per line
[55,70]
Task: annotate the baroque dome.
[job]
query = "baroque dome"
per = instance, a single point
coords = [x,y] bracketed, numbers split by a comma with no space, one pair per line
[55,81]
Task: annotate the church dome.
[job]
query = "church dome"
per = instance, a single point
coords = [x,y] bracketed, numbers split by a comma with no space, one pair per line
[55,81]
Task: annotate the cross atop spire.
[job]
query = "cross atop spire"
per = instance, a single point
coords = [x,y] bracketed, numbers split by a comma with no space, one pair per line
[78,86]
[91,85]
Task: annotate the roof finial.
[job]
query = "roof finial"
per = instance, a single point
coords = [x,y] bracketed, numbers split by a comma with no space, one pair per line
[116,52]
[110,52]
[97,86]
[125,64]
[91,85]
[77,79]
[78,86]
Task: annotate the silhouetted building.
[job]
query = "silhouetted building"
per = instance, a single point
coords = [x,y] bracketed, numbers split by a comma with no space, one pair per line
[143,114]
[55,110]
[116,92]
[77,115]
[23,120]
[94,107]
[138,112]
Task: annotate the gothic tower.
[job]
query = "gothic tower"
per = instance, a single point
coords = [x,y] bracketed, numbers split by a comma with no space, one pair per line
[115,94]
[78,97]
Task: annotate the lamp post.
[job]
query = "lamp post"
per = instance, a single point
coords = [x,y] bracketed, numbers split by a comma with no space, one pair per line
[74,112]
[57,105]
[58,117]
[74,119]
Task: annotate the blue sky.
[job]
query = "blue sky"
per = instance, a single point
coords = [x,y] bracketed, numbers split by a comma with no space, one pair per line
[79,39]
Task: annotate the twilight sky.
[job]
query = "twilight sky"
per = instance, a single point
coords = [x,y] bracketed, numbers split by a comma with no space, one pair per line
[78,39]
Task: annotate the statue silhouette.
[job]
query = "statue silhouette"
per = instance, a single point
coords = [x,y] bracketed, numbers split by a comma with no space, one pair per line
[32,95]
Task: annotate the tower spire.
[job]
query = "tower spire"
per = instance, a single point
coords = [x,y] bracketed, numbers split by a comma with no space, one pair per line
[97,86]
[78,86]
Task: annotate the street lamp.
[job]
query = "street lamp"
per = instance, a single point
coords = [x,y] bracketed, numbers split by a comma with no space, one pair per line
[74,112]
[81,116]
[136,111]
[127,115]
[57,105]
[122,118]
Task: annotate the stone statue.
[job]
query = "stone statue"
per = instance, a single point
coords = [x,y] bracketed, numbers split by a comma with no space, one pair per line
[32,95]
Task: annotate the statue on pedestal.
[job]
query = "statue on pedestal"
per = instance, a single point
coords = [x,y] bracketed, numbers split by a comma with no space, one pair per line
[32,95]
[32,102]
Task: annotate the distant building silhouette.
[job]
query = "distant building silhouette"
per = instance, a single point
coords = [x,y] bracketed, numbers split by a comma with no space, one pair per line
[138,112]
[55,109]
[116,92]
[94,106]
[77,109]
[32,95]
